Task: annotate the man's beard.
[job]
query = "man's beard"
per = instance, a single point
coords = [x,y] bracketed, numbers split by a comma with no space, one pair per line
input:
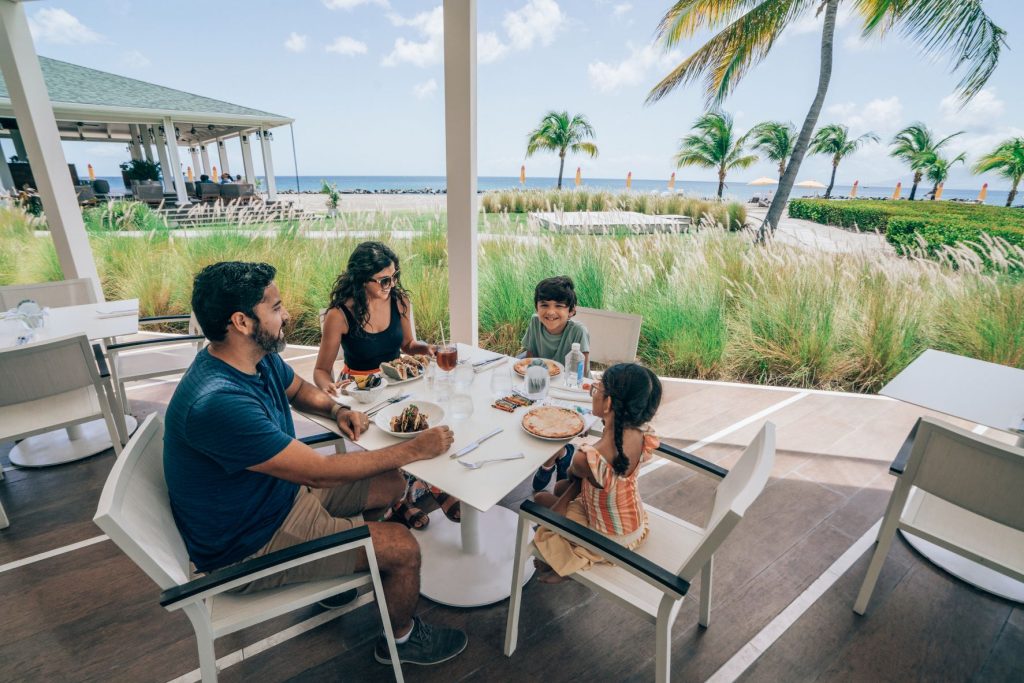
[266,342]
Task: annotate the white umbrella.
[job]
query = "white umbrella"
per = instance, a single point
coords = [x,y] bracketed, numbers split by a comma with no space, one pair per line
[813,184]
[764,181]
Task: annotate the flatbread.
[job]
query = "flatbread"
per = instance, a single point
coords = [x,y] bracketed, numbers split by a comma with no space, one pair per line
[552,422]
[553,369]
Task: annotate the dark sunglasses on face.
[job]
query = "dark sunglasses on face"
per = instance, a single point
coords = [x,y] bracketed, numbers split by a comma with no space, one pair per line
[388,281]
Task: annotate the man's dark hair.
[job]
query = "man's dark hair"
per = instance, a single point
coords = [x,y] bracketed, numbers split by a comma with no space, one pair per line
[222,289]
[560,289]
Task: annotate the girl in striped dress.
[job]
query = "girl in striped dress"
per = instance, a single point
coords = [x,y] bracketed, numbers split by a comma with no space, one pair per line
[602,491]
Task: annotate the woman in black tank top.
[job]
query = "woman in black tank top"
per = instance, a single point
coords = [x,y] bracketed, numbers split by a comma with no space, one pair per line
[370,319]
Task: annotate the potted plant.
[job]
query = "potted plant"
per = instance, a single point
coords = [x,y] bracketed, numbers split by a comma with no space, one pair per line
[139,170]
[333,196]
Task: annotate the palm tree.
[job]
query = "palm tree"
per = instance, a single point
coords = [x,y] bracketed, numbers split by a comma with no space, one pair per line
[917,146]
[744,32]
[776,140]
[558,132]
[937,169]
[714,145]
[1008,160]
[835,139]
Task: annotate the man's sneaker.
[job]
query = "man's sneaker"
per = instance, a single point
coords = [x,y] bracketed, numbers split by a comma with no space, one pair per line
[427,645]
[339,600]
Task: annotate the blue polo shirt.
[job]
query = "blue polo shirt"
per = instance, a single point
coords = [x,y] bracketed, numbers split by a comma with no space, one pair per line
[220,422]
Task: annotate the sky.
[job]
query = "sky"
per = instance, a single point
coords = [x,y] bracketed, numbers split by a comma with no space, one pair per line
[364,81]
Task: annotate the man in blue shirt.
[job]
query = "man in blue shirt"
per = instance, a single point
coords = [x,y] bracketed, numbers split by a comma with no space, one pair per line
[242,486]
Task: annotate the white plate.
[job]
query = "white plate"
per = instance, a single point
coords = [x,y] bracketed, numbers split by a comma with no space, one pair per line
[435,416]
[372,395]
[395,382]
[561,369]
[551,438]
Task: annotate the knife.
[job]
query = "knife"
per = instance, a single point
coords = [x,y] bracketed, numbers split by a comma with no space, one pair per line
[482,363]
[469,447]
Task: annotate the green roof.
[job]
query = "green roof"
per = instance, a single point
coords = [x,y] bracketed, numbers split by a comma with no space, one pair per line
[73,84]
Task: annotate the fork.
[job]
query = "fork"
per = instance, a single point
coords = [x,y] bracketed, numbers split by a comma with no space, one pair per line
[382,406]
[480,463]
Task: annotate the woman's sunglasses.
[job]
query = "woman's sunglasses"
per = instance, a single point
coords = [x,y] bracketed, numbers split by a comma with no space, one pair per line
[388,281]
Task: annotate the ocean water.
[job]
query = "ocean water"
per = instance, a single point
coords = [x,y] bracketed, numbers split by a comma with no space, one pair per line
[738,191]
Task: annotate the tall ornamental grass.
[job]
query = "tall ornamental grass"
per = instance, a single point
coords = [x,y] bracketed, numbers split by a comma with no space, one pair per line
[714,306]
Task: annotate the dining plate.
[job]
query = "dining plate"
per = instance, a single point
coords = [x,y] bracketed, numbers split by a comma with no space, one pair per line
[555,368]
[434,413]
[552,423]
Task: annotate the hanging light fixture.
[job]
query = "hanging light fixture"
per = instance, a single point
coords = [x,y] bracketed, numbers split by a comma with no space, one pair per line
[177,133]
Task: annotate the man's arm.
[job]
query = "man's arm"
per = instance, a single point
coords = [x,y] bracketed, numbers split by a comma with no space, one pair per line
[301,464]
[308,398]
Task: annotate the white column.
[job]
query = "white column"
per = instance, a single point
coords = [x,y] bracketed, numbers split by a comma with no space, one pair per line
[222,153]
[31,104]
[268,166]
[166,171]
[195,162]
[205,155]
[460,156]
[134,148]
[250,176]
[5,172]
[174,158]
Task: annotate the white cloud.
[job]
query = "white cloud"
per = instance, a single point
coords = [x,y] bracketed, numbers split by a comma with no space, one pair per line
[536,21]
[352,4]
[489,47]
[878,115]
[133,59]
[812,22]
[621,9]
[296,42]
[633,70]
[425,89]
[980,112]
[60,26]
[344,45]
[426,52]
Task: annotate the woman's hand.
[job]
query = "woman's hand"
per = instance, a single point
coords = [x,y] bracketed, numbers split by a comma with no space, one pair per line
[334,388]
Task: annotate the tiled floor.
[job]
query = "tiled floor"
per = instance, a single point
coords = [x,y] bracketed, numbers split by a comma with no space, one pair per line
[89,614]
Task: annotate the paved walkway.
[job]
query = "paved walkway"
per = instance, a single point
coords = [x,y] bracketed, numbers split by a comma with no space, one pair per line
[820,237]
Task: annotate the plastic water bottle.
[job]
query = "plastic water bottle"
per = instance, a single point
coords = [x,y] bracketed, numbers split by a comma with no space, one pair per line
[574,367]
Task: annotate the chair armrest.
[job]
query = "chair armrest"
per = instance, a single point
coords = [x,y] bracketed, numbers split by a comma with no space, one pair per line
[900,463]
[320,439]
[231,577]
[664,579]
[692,461]
[163,319]
[101,361]
[153,342]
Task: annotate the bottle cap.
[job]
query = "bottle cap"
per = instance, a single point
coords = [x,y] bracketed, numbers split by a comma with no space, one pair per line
[575,346]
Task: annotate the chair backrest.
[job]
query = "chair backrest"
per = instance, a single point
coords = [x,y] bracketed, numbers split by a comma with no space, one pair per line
[741,487]
[614,336]
[976,473]
[46,368]
[135,510]
[52,294]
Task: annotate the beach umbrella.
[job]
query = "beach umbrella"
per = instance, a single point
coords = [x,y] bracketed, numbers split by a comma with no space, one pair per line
[672,182]
[190,176]
[763,181]
[92,173]
[983,193]
[896,192]
[853,190]
[938,191]
[579,178]
[522,174]
[812,184]
[629,180]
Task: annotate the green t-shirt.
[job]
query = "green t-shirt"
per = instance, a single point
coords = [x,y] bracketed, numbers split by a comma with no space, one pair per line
[540,343]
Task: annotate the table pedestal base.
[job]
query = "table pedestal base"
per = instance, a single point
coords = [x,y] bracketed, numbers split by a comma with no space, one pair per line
[65,445]
[973,573]
[453,577]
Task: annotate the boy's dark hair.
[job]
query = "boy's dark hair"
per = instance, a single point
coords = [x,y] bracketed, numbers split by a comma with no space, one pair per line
[222,289]
[635,392]
[559,288]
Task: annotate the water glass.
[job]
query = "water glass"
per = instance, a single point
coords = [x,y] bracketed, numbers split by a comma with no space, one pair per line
[461,405]
[501,382]
[463,376]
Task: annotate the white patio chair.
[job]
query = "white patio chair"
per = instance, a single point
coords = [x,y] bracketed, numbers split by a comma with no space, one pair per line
[944,473]
[52,294]
[49,385]
[132,361]
[654,579]
[614,336]
[135,512]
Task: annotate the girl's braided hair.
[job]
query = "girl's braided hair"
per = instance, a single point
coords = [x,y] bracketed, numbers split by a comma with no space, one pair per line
[635,392]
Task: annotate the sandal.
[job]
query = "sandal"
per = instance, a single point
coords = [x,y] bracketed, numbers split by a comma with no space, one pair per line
[410,516]
[449,505]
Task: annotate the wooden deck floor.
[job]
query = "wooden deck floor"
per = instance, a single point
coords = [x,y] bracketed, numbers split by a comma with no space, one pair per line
[88,614]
